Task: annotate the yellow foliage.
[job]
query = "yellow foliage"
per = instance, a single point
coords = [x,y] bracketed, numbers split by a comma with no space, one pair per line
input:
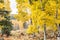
[32,29]
[38,16]
[1,5]
[50,7]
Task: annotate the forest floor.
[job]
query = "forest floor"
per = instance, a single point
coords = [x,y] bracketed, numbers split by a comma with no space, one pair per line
[50,35]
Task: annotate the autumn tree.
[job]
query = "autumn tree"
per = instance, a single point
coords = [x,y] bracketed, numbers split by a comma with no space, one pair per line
[23,7]
[42,12]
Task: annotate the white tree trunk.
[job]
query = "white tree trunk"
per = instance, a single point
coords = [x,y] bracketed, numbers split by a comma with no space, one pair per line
[44,31]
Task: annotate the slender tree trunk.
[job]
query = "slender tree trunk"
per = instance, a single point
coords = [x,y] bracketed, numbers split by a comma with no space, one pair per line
[58,25]
[44,31]
[44,20]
